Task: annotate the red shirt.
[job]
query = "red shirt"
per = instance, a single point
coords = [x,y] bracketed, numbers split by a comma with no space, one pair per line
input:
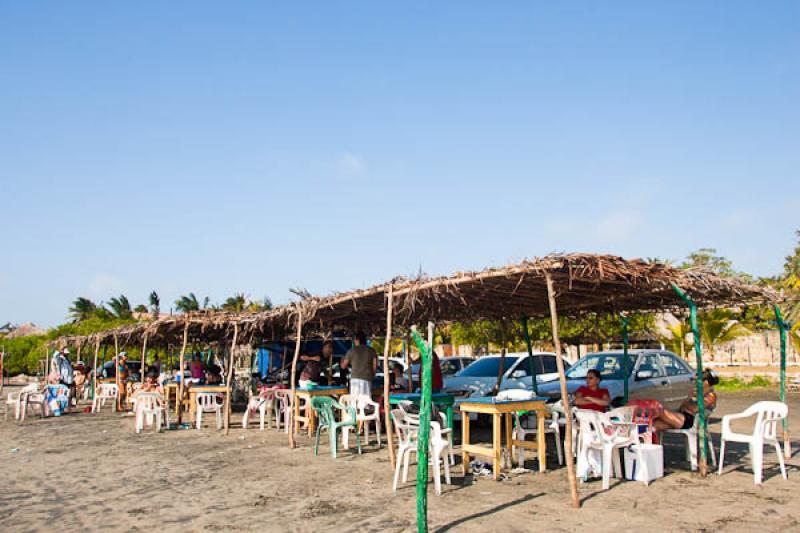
[600,393]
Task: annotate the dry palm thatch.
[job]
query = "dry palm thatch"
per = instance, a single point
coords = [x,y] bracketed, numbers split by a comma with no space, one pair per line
[584,283]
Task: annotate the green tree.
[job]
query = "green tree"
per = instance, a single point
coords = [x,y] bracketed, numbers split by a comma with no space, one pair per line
[155,304]
[707,258]
[187,303]
[82,309]
[718,326]
[680,340]
[141,308]
[791,283]
[235,303]
[120,307]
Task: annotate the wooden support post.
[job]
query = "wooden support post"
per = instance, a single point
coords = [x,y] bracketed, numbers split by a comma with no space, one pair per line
[295,407]
[386,352]
[46,365]
[78,354]
[573,483]
[228,379]
[502,366]
[625,366]
[531,363]
[144,351]
[94,368]
[283,361]
[181,384]
[408,364]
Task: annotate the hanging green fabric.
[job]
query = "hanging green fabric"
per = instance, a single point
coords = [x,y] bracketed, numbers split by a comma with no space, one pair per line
[625,359]
[531,365]
[424,432]
[701,408]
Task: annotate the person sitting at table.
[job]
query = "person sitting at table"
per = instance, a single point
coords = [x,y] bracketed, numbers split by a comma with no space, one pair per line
[592,396]
[312,370]
[150,383]
[196,367]
[213,375]
[398,382]
[684,417]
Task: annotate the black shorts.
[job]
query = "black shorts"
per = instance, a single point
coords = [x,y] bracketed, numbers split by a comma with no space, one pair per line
[688,421]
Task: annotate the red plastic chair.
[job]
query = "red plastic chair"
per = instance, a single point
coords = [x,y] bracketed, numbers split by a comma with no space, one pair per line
[645,411]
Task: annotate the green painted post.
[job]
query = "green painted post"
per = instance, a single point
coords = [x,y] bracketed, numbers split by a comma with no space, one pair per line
[701,408]
[782,329]
[531,366]
[424,432]
[625,360]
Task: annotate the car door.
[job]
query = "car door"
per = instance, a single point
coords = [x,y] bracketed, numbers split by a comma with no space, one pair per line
[654,387]
[681,379]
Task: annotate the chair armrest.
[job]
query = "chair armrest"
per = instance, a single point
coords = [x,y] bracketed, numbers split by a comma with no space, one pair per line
[726,420]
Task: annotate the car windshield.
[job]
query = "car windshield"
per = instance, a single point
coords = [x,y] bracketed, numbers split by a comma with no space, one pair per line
[609,365]
[487,367]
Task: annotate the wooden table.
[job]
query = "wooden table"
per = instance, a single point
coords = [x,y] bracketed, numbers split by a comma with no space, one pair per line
[195,389]
[171,391]
[311,417]
[440,399]
[499,409]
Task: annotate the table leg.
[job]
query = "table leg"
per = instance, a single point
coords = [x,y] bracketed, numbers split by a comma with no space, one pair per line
[497,442]
[449,412]
[312,419]
[541,441]
[464,441]
[509,439]
[296,410]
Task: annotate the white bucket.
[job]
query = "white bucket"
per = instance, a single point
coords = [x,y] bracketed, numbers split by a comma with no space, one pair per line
[653,457]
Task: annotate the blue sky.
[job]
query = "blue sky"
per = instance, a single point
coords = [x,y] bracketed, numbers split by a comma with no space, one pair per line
[246,147]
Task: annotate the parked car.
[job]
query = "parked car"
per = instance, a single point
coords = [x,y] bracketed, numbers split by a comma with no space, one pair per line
[450,367]
[652,374]
[109,371]
[479,378]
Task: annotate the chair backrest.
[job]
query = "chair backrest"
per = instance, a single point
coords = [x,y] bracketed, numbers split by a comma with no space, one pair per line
[515,394]
[109,390]
[206,399]
[768,414]
[623,414]
[30,387]
[595,427]
[324,406]
[149,401]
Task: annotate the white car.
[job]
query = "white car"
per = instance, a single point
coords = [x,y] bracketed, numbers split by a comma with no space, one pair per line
[479,379]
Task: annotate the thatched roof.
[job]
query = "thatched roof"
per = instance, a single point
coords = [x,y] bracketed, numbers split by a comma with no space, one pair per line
[583,283]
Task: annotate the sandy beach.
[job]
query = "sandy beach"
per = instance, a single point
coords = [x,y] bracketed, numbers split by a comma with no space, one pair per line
[84,471]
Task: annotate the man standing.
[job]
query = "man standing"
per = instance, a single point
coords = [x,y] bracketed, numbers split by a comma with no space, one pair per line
[363,362]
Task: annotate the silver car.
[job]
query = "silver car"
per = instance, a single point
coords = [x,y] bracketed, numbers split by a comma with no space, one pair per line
[652,375]
[479,378]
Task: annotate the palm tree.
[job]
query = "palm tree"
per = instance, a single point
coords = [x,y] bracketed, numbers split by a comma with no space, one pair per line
[141,308]
[235,303]
[264,305]
[679,341]
[155,304]
[120,307]
[718,327]
[185,304]
[82,309]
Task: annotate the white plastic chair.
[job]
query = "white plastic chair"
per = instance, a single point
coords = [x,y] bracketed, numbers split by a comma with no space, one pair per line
[598,432]
[31,396]
[692,438]
[367,411]
[15,399]
[264,403]
[407,429]
[528,425]
[151,408]
[207,402]
[283,408]
[105,391]
[768,416]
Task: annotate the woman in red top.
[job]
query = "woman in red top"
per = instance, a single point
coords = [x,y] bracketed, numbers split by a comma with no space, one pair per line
[591,395]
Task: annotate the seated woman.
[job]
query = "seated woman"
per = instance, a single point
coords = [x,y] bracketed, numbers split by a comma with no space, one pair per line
[397,382]
[56,397]
[150,384]
[214,375]
[591,395]
[684,417]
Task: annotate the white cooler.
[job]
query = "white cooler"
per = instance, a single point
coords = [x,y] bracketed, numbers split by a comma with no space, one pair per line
[653,456]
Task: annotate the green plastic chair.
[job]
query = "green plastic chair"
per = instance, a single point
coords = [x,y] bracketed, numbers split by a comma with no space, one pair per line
[324,406]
